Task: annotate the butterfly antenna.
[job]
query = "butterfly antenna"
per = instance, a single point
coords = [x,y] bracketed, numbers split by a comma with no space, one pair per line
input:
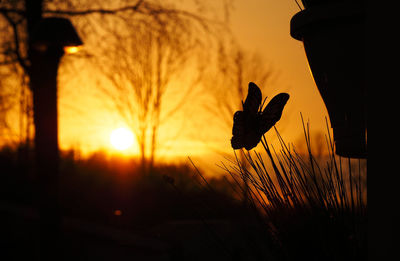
[262,104]
[298,5]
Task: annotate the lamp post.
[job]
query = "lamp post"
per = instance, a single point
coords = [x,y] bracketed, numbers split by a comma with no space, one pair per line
[52,36]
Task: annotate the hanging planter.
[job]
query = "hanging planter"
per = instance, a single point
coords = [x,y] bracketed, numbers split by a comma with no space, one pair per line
[334,41]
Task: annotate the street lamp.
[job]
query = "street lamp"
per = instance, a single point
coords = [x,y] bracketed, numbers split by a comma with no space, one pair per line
[52,38]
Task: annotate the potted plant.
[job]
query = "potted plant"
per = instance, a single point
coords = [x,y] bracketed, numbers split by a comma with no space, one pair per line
[333,35]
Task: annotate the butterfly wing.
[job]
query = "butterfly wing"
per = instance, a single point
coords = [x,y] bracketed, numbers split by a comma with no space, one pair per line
[252,139]
[246,124]
[237,142]
[272,112]
[244,131]
[243,121]
[253,99]
[238,130]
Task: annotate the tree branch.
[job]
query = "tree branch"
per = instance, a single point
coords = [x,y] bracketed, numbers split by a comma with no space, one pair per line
[141,6]
[134,7]
[13,24]
[15,11]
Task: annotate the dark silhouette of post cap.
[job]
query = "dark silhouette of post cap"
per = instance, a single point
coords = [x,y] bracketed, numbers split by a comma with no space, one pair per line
[55,32]
[311,20]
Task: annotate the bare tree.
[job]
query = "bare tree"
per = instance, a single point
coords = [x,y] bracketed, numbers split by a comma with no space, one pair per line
[143,62]
[14,90]
[18,21]
[161,37]
[228,82]
[6,103]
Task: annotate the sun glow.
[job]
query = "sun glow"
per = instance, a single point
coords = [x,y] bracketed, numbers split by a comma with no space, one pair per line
[121,139]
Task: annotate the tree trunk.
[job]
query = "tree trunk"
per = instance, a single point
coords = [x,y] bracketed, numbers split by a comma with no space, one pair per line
[157,102]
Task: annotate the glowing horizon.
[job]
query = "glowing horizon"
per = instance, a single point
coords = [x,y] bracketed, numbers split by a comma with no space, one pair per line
[86,121]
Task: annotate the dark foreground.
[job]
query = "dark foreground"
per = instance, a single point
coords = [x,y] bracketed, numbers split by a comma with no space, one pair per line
[82,240]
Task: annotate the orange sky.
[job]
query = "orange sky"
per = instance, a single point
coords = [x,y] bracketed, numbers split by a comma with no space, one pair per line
[264,25]
[260,26]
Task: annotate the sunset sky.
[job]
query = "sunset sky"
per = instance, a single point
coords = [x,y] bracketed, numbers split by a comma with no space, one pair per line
[260,26]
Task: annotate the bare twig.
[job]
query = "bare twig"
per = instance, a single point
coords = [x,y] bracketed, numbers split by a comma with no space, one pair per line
[14,26]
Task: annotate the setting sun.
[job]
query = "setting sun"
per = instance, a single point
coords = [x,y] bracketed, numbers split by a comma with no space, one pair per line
[121,138]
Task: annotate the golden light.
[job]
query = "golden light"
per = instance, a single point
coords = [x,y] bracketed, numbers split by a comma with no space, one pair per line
[121,138]
[71,49]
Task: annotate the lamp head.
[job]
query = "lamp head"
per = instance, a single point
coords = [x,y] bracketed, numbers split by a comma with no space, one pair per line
[56,32]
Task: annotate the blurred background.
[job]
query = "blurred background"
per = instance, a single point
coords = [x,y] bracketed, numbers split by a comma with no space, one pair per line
[146,109]
[222,46]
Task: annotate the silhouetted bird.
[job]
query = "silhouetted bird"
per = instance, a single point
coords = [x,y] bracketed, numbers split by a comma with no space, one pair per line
[250,124]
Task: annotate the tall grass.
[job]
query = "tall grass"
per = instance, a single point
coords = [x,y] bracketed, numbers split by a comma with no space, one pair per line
[311,209]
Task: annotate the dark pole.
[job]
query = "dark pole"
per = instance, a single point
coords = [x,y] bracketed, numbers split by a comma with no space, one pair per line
[46,47]
[43,76]
[43,79]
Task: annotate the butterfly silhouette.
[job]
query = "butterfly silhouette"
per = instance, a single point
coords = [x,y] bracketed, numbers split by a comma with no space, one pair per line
[250,124]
